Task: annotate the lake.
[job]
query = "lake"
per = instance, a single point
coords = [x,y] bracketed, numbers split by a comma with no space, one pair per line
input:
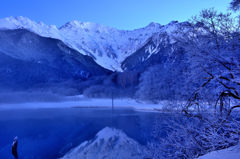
[51,132]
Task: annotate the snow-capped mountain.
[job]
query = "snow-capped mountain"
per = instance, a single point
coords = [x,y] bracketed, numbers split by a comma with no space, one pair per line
[109,47]
[109,143]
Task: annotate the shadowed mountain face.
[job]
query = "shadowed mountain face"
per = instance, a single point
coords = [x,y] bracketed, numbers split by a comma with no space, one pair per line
[27,59]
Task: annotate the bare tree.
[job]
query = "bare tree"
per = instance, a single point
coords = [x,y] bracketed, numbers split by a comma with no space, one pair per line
[212,43]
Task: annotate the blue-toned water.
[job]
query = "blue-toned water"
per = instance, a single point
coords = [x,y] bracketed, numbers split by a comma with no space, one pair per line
[50,133]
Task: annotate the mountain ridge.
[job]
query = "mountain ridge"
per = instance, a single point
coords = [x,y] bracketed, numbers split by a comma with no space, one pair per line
[109,47]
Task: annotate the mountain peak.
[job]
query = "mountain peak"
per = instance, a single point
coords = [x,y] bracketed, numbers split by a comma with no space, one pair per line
[26,23]
[15,22]
[75,25]
[71,24]
[18,18]
[153,24]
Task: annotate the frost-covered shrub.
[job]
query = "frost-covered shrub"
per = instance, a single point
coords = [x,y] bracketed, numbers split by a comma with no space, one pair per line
[188,138]
[161,82]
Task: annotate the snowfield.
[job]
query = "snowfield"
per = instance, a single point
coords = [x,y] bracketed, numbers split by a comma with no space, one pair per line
[229,153]
[109,143]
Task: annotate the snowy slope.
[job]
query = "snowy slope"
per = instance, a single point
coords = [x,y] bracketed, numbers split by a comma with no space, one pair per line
[109,143]
[229,153]
[108,46]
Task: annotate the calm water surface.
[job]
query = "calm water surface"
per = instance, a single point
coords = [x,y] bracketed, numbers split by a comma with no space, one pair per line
[50,133]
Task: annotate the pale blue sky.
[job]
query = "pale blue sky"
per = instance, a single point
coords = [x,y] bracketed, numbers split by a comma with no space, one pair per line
[122,14]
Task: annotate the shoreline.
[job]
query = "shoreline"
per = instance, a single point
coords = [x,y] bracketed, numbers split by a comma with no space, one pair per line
[78,102]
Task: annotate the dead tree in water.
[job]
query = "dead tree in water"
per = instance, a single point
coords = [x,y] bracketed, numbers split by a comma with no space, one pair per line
[14,148]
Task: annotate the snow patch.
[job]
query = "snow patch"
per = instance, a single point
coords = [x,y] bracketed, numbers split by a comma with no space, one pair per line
[229,153]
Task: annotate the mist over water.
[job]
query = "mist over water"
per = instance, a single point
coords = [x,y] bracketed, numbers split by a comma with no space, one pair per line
[28,96]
